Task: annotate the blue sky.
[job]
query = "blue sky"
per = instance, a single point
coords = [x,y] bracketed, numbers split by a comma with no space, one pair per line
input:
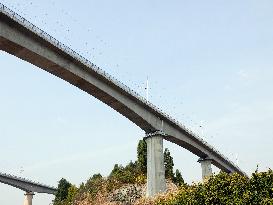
[209,63]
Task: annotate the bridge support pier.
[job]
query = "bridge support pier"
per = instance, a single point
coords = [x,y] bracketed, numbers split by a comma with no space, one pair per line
[206,168]
[28,198]
[156,182]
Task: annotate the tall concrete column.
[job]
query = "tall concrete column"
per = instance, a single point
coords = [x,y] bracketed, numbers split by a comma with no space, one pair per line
[206,168]
[28,198]
[156,182]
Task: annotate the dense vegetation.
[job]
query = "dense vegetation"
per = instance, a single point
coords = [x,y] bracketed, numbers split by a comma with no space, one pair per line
[132,173]
[224,189]
[219,189]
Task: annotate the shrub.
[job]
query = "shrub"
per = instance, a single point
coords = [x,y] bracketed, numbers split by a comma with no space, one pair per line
[225,189]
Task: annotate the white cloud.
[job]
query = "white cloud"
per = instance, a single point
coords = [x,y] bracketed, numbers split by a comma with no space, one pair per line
[243,74]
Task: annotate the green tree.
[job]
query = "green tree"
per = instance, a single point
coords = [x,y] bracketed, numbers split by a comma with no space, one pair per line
[142,156]
[62,191]
[72,191]
[93,185]
[117,170]
[168,163]
[178,179]
[127,174]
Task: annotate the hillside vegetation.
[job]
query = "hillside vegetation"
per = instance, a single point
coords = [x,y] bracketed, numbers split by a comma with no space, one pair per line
[126,185]
[222,189]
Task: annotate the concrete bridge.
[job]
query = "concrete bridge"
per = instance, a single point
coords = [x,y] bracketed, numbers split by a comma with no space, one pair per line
[29,187]
[24,40]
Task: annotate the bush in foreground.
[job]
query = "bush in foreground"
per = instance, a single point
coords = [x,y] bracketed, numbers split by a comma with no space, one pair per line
[224,189]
